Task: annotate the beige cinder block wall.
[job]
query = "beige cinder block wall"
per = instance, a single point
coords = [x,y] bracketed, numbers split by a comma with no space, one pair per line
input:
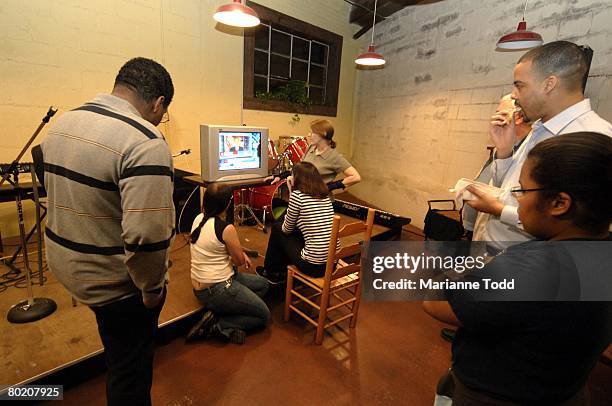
[421,123]
[64,52]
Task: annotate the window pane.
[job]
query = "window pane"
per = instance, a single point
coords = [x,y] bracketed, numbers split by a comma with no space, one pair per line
[261,63]
[300,48]
[317,75]
[299,70]
[318,53]
[281,43]
[282,63]
[275,84]
[261,37]
[279,66]
[260,85]
[316,95]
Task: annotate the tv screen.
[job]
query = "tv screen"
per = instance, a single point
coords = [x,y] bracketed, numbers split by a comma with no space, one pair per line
[239,150]
[233,152]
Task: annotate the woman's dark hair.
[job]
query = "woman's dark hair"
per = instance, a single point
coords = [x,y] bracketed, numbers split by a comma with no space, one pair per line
[325,129]
[216,199]
[147,78]
[306,179]
[579,164]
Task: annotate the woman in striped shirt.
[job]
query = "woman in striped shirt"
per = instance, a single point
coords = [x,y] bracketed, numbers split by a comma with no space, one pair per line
[303,238]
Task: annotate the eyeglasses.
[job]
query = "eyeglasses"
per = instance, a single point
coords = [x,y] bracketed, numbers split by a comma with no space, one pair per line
[165,118]
[518,192]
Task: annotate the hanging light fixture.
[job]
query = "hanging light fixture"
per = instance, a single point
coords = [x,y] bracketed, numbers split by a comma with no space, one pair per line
[236,14]
[521,39]
[371,58]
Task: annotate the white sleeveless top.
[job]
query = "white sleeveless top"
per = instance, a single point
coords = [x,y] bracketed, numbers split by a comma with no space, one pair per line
[210,260]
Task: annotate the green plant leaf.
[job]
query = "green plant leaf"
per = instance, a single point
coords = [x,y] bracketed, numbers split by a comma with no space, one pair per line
[294,92]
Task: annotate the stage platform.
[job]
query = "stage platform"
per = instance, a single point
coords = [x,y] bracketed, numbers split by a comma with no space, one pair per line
[69,336]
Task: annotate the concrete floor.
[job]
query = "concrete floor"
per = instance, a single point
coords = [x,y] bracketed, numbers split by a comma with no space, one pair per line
[393,357]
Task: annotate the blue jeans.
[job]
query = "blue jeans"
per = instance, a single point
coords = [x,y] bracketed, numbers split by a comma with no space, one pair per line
[237,302]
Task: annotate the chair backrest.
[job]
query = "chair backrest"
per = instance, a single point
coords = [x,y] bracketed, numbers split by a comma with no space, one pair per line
[336,266]
[443,224]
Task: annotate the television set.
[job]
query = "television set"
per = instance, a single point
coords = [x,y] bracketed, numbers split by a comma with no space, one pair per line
[233,152]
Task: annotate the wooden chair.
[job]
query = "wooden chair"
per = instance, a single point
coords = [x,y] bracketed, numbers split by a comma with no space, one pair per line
[341,275]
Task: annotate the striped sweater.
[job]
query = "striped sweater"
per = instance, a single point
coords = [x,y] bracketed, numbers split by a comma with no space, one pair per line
[314,218]
[109,181]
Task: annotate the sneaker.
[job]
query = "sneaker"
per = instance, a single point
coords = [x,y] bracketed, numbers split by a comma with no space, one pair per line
[272,277]
[237,336]
[203,328]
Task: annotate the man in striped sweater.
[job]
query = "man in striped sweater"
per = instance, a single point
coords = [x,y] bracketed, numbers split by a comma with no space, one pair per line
[109,179]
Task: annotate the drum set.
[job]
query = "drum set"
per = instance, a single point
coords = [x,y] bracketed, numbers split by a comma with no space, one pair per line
[272,200]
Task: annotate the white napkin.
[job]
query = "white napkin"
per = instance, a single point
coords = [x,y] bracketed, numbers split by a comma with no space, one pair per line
[462,194]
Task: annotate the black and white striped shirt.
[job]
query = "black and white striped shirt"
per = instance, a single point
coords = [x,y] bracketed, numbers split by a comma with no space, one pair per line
[314,218]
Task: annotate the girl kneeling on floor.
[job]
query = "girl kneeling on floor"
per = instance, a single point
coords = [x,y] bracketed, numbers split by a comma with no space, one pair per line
[232,299]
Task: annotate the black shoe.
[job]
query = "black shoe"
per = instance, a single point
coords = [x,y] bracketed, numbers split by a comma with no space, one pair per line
[272,277]
[448,334]
[203,328]
[237,336]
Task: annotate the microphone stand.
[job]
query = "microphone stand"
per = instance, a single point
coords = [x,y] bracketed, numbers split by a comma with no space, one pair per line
[11,171]
[33,308]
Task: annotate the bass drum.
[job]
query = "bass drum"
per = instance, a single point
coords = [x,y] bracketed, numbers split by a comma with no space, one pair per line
[272,199]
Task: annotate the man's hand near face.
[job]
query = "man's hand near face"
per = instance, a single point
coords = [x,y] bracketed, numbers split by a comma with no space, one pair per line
[502,133]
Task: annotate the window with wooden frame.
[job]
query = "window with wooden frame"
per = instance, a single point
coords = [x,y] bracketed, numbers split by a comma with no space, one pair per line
[284,56]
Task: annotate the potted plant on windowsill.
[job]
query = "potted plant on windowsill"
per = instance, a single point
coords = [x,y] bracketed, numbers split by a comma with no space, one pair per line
[295,93]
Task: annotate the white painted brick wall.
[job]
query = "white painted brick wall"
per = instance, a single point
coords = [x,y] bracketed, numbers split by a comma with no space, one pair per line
[442,68]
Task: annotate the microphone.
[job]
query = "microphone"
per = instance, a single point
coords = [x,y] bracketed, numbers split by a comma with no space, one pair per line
[50,113]
[183,152]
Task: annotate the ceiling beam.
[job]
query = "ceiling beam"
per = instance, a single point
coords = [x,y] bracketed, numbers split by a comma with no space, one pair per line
[362,11]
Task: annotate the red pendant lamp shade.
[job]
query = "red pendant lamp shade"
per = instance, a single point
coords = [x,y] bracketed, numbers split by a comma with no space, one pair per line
[370,58]
[236,14]
[519,40]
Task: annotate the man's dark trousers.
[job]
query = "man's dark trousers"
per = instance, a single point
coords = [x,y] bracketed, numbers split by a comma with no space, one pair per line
[127,329]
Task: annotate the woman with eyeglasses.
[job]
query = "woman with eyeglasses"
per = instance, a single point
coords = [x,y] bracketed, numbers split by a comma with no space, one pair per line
[323,155]
[541,352]
[233,299]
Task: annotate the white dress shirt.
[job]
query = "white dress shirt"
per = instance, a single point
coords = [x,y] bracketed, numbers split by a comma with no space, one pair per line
[501,232]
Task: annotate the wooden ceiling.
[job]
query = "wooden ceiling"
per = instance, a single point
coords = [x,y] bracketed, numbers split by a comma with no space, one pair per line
[362,11]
